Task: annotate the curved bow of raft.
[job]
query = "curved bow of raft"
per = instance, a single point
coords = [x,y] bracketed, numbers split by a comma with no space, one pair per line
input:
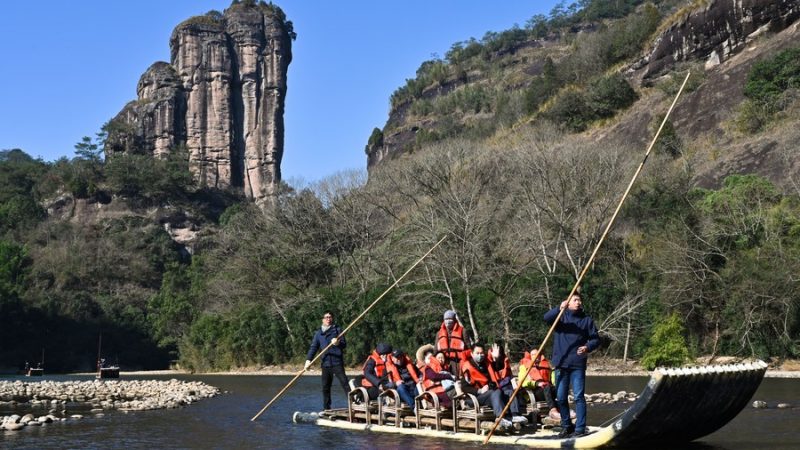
[676,406]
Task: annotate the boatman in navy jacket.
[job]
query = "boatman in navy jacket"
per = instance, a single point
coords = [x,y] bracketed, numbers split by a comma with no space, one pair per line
[332,360]
[575,337]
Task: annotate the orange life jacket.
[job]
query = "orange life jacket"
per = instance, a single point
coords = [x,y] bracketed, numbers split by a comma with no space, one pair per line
[542,371]
[432,385]
[381,367]
[476,378]
[452,344]
[504,371]
[395,372]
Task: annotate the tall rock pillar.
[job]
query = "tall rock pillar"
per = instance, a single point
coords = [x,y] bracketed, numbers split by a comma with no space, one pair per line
[221,96]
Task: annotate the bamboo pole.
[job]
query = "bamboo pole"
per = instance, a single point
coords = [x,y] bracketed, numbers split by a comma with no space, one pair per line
[591,258]
[357,319]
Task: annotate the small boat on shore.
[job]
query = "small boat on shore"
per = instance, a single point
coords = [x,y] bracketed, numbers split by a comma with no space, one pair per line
[108,372]
[105,370]
[35,371]
[31,371]
[676,406]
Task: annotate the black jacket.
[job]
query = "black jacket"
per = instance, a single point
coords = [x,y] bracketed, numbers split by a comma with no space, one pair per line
[334,356]
[574,329]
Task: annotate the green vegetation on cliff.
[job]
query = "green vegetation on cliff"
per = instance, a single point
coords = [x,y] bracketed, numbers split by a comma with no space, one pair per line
[544,71]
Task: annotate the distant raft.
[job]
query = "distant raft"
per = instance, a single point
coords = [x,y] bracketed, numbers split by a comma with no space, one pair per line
[677,406]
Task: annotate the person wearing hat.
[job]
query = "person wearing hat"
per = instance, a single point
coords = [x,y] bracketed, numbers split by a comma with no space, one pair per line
[404,376]
[453,340]
[377,371]
[332,360]
[435,378]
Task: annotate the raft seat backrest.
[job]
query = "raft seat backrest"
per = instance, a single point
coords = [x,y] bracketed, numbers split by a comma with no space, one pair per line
[427,405]
[394,407]
[477,412]
[534,407]
[358,401]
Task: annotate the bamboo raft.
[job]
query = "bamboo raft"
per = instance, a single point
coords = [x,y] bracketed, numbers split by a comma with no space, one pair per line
[676,406]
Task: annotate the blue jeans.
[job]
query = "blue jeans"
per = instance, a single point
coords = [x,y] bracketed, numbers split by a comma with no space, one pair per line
[405,391]
[576,378]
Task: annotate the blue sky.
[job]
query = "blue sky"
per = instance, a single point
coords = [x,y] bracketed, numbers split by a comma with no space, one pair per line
[68,67]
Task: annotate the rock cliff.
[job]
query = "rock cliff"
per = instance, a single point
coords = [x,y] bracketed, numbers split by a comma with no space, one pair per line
[718,30]
[711,32]
[221,98]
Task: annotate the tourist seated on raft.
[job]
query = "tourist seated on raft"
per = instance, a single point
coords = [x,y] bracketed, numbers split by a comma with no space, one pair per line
[478,381]
[453,340]
[500,370]
[539,380]
[435,378]
[404,375]
[376,372]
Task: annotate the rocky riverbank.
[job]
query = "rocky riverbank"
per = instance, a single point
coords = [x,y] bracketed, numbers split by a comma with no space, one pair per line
[49,401]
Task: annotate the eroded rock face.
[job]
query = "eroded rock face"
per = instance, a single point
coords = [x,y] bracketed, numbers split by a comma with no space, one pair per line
[221,96]
[721,28]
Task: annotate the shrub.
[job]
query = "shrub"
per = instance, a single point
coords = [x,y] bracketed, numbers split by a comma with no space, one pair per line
[571,110]
[769,88]
[770,78]
[543,87]
[134,175]
[375,140]
[667,345]
[753,116]
[609,95]
[668,142]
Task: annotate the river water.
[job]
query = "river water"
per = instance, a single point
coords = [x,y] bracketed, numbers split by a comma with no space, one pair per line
[224,421]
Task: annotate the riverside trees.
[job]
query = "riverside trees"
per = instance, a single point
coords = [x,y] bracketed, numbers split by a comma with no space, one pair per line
[522,215]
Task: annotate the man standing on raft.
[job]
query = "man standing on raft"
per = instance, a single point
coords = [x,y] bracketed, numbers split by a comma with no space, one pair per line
[575,337]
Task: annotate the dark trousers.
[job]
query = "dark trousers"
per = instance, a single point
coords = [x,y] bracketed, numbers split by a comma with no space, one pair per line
[494,398]
[507,391]
[327,381]
[548,392]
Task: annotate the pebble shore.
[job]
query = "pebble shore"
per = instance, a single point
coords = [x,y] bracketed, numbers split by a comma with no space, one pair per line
[49,401]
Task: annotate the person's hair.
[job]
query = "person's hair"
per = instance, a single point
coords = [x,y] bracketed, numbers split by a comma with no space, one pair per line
[576,294]
[476,345]
[328,312]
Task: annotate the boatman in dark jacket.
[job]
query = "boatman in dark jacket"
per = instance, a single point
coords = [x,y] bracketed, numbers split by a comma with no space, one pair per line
[575,337]
[332,360]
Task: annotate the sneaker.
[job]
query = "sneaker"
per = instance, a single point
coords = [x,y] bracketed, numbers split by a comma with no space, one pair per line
[578,434]
[505,424]
[565,433]
[520,420]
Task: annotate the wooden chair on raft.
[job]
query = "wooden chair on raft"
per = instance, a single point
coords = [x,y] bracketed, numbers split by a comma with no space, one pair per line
[390,404]
[428,406]
[358,402]
[535,409]
[471,410]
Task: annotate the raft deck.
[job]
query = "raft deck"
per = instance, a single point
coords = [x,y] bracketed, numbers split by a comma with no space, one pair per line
[676,406]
